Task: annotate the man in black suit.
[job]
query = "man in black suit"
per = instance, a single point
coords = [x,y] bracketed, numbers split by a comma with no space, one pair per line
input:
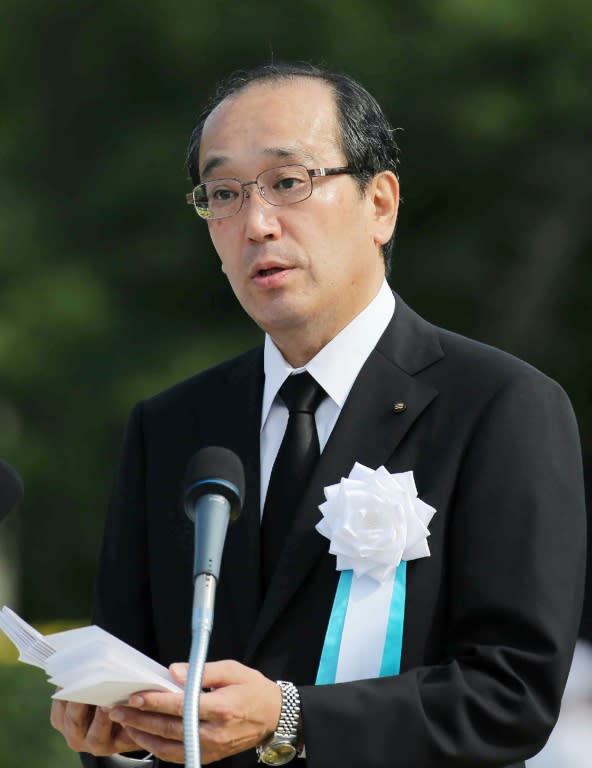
[295,173]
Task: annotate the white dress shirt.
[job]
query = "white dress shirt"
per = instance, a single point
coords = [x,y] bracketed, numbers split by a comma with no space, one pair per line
[335,368]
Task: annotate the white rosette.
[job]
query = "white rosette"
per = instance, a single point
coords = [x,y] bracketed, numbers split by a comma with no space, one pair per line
[374,521]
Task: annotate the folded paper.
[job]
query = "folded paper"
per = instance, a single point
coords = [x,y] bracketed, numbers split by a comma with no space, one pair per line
[89,665]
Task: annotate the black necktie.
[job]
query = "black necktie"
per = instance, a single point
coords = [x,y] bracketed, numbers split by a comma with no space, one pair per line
[292,469]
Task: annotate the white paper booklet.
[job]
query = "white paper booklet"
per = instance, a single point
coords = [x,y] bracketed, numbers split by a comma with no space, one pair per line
[89,665]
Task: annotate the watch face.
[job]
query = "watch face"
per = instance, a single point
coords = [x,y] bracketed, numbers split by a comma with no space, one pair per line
[278,753]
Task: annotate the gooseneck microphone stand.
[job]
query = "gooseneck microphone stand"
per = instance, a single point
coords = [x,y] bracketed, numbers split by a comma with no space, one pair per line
[214,493]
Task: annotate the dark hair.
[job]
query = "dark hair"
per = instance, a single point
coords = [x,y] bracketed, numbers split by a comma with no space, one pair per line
[367,138]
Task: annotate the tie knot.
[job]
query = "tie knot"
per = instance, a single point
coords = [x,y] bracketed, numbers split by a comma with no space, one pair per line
[301,393]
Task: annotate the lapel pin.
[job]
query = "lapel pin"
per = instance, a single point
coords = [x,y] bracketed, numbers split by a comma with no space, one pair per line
[399,407]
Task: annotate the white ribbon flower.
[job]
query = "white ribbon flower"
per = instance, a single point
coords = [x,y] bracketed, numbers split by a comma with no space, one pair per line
[373,520]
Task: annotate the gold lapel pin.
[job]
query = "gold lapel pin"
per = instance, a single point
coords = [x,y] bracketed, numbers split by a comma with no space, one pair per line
[399,407]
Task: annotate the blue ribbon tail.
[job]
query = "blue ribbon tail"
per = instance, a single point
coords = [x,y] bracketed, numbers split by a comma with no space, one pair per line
[393,641]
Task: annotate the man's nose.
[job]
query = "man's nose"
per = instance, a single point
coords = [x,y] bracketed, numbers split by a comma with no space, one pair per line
[261,218]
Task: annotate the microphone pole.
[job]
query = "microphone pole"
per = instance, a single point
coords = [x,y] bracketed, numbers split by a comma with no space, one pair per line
[11,488]
[214,492]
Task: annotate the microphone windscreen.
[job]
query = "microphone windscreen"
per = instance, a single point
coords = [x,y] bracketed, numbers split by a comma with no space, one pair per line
[216,470]
[11,488]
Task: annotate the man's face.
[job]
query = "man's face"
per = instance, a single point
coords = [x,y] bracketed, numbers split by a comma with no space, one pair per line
[301,271]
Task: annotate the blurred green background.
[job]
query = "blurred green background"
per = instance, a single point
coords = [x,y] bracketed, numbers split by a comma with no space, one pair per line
[110,290]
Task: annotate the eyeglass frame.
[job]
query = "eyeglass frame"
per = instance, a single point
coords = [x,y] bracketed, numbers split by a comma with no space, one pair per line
[312,173]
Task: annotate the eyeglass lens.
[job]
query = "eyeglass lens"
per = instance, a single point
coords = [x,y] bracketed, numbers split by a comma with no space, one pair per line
[284,185]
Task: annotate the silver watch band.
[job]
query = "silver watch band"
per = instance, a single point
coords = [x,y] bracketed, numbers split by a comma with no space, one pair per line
[289,722]
[283,745]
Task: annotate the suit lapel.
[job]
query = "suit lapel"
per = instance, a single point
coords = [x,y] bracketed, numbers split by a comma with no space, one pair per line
[368,430]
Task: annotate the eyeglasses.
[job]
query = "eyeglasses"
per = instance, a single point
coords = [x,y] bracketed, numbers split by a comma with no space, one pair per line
[285,185]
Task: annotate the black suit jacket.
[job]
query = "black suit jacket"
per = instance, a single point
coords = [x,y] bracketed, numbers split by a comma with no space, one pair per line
[491,616]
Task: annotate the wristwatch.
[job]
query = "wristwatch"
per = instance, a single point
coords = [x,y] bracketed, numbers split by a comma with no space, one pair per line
[282,745]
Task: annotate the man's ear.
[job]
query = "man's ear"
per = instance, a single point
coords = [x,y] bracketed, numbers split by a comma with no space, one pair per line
[383,195]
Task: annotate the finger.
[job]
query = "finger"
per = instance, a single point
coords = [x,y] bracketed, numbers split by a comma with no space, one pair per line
[179,672]
[56,715]
[215,706]
[155,701]
[76,722]
[167,726]
[171,751]
[106,737]
[124,740]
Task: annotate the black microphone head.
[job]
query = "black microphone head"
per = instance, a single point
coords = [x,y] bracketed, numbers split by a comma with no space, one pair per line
[215,470]
[11,488]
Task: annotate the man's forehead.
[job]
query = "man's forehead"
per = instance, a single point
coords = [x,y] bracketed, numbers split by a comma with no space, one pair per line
[287,120]
[282,155]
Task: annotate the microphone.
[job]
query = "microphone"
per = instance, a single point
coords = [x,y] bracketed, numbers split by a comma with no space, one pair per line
[214,492]
[11,488]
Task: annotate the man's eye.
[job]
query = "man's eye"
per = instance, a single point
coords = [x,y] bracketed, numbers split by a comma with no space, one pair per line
[285,185]
[222,195]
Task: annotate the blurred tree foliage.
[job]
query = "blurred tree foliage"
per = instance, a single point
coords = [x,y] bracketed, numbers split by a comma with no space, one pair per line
[26,738]
[109,288]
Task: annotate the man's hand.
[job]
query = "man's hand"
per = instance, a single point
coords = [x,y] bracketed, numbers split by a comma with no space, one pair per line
[89,729]
[240,710]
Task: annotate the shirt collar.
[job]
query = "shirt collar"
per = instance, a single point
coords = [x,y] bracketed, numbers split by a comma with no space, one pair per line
[336,366]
